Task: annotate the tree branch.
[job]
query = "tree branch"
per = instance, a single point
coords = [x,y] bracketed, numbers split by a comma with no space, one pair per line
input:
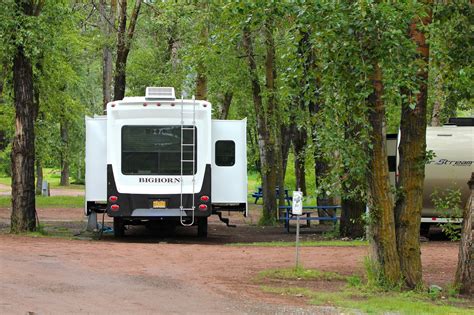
[133,22]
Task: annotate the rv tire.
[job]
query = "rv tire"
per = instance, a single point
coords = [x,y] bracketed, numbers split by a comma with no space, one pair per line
[119,227]
[425,229]
[202,227]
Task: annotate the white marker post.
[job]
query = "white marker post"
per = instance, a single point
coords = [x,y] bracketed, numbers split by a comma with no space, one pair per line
[297,209]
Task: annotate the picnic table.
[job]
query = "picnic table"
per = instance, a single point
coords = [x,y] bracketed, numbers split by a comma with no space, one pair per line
[308,211]
[259,194]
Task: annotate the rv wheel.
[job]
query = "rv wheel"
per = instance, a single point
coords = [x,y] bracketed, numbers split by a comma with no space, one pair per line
[425,229]
[119,227]
[202,227]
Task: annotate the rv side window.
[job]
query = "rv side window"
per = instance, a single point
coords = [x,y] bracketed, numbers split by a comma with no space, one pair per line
[156,150]
[225,153]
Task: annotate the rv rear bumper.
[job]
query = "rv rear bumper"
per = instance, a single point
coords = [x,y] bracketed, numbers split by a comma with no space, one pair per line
[164,213]
[142,205]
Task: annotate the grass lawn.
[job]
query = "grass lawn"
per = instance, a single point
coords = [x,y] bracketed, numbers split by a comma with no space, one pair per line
[52,176]
[353,296]
[5,181]
[50,202]
[254,181]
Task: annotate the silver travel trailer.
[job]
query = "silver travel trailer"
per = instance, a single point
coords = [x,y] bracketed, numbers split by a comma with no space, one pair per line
[453,146]
[161,159]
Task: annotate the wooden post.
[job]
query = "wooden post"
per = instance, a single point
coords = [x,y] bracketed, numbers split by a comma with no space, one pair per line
[465,270]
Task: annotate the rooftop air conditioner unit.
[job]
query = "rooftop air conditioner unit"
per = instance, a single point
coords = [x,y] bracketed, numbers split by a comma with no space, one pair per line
[161,93]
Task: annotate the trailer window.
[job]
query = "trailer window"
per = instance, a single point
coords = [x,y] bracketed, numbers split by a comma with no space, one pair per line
[156,150]
[225,153]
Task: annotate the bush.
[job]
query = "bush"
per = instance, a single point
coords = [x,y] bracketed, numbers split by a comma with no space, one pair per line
[447,204]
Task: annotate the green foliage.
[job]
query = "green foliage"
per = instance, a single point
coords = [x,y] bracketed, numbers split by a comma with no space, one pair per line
[375,276]
[357,297]
[354,281]
[451,73]
[5,166]
[300,273]
[447,204]
[50,202]
[169,49]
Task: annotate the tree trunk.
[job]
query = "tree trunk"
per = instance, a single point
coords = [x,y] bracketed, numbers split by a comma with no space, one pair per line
[124,40]
[122,53]
[353,206]
[3,75]
[201,83]
[201,78]
[299,133]
[64,154]
[227,100]
[266,141]
[274,116]
[284,139]
[436,114]
[173,45]
[465,269]
[411,169]
[23,216]
[321,169]
[299,145]
[39,177]
[382,225]
[107,22]
[351,223]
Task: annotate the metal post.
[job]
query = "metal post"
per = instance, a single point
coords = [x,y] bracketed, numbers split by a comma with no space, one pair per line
[367,228]
[297,241]
[297,231]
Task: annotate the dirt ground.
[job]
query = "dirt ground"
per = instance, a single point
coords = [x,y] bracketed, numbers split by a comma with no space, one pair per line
[177,273]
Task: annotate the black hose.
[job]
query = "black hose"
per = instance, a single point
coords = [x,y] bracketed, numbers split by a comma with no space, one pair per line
[102,227]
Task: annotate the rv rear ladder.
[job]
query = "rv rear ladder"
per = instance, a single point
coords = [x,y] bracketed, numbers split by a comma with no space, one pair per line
[193,161]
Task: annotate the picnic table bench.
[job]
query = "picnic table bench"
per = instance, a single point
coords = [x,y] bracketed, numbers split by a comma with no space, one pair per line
[259,194]
[308,211]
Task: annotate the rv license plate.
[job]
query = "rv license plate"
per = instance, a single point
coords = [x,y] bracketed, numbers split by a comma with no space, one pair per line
[159,204]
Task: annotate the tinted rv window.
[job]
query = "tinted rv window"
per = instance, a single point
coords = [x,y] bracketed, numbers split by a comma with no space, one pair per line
[156,150]
[225,153]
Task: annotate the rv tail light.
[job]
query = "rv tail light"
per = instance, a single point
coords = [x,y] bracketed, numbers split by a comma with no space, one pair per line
[202,207]
[113,198]
[434,219]
[114,207]
[145,104]
[205,198]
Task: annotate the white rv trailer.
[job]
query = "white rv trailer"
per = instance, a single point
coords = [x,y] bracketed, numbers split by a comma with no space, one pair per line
[158,158]
[453,146]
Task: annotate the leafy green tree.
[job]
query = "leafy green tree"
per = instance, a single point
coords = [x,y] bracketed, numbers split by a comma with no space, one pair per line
[21,35]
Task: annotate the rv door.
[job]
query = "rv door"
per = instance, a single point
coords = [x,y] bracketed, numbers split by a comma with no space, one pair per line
[229,165]
[96,162]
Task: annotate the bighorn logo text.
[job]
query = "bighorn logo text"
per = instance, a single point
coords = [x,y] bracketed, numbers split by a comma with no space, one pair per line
[173,180]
